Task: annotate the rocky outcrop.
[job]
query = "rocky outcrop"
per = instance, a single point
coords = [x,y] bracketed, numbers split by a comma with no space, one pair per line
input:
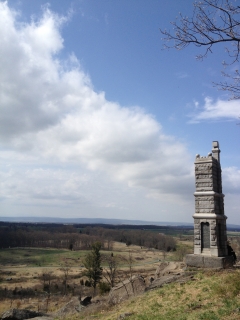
[168,272]
[171,267]
[72,307]
[21,314]
[127,288]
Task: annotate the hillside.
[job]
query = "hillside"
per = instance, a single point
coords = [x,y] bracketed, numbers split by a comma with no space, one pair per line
[211,295]
[24,272]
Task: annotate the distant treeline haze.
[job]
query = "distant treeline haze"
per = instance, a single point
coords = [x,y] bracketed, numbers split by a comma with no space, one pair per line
[72,237]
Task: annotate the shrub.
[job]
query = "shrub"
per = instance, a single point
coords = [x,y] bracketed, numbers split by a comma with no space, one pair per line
[87,283]
[104,287]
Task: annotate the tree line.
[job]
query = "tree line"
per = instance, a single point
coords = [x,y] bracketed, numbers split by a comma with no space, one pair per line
[73,238]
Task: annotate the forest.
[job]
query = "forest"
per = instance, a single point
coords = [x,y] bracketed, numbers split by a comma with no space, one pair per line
[81,237]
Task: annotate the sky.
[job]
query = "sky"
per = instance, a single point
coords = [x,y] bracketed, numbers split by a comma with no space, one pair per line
[98,121]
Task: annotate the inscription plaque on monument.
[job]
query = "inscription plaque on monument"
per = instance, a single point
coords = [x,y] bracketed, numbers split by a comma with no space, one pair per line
[205,235]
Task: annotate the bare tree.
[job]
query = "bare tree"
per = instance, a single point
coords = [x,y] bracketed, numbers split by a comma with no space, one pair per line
[164,254]
[213,22]
[112,268]
[46,277]
[130,261]
[66,269]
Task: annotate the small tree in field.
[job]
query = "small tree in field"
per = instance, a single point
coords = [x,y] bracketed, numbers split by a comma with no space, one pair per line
[112,269]
[66,269]
[46,279]
[92,263]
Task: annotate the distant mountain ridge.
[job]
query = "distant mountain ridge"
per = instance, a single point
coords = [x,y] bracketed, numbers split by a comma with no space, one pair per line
[91,220]
[98,221]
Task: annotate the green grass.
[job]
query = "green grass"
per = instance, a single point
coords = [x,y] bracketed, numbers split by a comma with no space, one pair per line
[173,232]
[201,299]
[233,233]
[211,296]
[39,257]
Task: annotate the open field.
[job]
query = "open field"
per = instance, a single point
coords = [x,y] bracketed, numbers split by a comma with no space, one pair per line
[39,258]
[233,233]
[21,268]
[209,296]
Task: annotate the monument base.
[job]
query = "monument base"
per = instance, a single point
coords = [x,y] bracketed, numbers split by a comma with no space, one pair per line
[206,261]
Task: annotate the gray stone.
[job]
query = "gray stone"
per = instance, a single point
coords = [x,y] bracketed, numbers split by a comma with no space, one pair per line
[21,314]
[70,308]
[209,242]
[164,280]
[125,315]
[204,261]
[127,288]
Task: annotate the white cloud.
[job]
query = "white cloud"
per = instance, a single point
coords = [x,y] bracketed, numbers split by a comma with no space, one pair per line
[182,75]
[63,145]
[51,118]
[216,110]
[231,180]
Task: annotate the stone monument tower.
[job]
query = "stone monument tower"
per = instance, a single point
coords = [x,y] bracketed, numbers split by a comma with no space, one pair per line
[210,237]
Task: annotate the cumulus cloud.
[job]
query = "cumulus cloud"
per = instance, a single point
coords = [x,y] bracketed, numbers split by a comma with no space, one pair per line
[65,145]
[216,110]
[231,180]
[50,114]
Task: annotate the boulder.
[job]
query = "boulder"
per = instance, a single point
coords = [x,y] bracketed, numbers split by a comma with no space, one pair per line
[86,300]
[125,315]
[151,279]
[70,308]
[127,288]
[160,282]
[20,314]
[166,268]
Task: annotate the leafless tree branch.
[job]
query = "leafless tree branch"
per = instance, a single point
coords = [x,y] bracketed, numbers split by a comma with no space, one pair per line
[213,22]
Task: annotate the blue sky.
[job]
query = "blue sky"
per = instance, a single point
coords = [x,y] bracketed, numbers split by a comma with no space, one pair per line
[98,121]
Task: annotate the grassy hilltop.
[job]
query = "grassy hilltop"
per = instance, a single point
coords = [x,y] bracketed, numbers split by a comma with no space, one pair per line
[210,296]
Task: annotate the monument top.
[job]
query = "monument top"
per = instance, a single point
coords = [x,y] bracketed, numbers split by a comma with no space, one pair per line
[216,151]
[215,154]
[215,144]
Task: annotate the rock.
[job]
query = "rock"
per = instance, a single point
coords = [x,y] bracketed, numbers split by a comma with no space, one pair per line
[159,282]
[70,308]
[125,289]
[171,267]
[20,314]
[125,315]
[86,300]
[180,278]
[151,279]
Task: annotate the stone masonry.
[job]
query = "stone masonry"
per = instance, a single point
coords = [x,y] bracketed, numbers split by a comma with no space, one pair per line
[210,237]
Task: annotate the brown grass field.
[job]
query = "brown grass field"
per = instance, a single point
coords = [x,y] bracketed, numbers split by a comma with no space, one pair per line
[210,295]
[33,262]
